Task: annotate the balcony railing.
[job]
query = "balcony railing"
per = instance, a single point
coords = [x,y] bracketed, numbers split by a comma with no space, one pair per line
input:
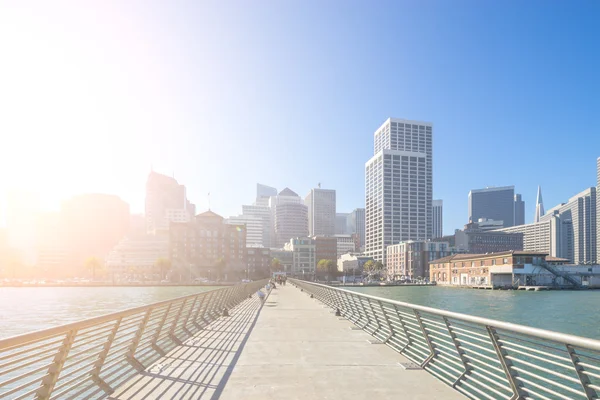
[90,358]
[482,358]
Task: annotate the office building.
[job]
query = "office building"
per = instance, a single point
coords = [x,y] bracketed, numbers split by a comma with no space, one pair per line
[263,194]
[304,257]
[325,248]
[321,211]
[519,210]
[166,202]
[497,203]
[290,217]
[597,210]
[356,225]
[346,244]
[341,223]
[136,257]
[410,259]
[437,219]
[480,241]
[580,213]
[398,180]
[207,247]
[352,265]
[285,258]
[539,206]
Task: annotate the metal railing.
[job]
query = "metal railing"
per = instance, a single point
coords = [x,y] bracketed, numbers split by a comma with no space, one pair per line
[482,358]
[90,358]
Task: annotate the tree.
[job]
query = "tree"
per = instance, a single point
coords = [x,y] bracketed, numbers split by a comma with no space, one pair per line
[326,268]
[93,264]
[163,265]
[331,268]
[379,269]
[368,268]
[275,265]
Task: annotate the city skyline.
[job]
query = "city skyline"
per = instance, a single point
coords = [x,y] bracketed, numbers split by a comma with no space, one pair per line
[83,119]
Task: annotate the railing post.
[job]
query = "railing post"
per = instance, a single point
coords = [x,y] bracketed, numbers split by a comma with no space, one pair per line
[583,378]
[189,314]
[49,381]
[130,355]
[374,316]
[102,356]
[387,321]
[408,338]
[459,350]
[427,339]
[172,335]
[155,346]
[506,364]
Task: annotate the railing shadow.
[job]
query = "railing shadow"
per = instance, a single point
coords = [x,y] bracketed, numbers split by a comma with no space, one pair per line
[201,366]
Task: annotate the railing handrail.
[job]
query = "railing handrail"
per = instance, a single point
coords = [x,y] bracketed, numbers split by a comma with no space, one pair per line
[558,337]
[85,323]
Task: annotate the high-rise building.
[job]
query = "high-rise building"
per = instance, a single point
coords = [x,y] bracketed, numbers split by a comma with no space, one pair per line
[597,210]
[438,218]
[356,225]
[257,219]
[539,206]
[580,212]
[166,202]
[410,259]
[519,210]
[290,217]
[263,194]
[341,223]
[497,203]
[321,211]
[325,248]
[304,257]
[398,180]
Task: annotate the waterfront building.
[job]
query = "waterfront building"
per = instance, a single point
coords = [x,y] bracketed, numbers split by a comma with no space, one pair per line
[136,257]
[503,269]
[341,223]
[290,217]
[259,262]
[356,225]
[410,259]
[325,248]
[166,202]
[398,180]
[346,244]
[207,247]
[497,203]
[437,218]
[519,210]
[539,206]
[304,257]
[321,211]
[352,264]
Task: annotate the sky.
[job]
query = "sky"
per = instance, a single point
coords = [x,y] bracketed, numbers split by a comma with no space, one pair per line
[227,94]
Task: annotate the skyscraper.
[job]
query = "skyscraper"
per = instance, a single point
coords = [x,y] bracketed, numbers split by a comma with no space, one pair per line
[597,210]
[341,223]
[166,202]
[356,224]
[290,216]
[497,203]
[438,219]
[398,180]
[519,210]
[539,206]
[321,211]
[264,193]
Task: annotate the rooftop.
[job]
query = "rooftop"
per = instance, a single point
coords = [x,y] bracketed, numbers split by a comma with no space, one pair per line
[457,257]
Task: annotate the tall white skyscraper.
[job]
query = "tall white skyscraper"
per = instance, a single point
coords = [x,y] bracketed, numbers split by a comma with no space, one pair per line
[321,211]
[539,206]
[289,216]
[437,217]
[398,181]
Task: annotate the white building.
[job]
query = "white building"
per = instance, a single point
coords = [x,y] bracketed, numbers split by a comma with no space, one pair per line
[346,244]
[304,256]
[352,264]
[166,202]
[290,217]
[398,189]
[437,219]
[321,211]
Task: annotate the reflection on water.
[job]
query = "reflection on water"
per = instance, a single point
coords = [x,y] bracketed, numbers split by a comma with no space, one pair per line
[574,312]
[26,309]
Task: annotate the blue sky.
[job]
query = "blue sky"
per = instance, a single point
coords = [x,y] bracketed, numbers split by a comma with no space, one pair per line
[289,93]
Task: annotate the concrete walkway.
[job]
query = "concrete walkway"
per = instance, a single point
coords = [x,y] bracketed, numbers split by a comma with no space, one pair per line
[291,348]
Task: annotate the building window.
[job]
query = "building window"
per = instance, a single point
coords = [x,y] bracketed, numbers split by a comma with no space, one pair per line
[505,260]
[494,262]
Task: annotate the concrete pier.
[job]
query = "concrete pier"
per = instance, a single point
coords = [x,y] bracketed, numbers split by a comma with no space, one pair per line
[290,347]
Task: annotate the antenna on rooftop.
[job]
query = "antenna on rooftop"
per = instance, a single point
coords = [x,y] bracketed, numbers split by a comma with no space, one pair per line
[319,185]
